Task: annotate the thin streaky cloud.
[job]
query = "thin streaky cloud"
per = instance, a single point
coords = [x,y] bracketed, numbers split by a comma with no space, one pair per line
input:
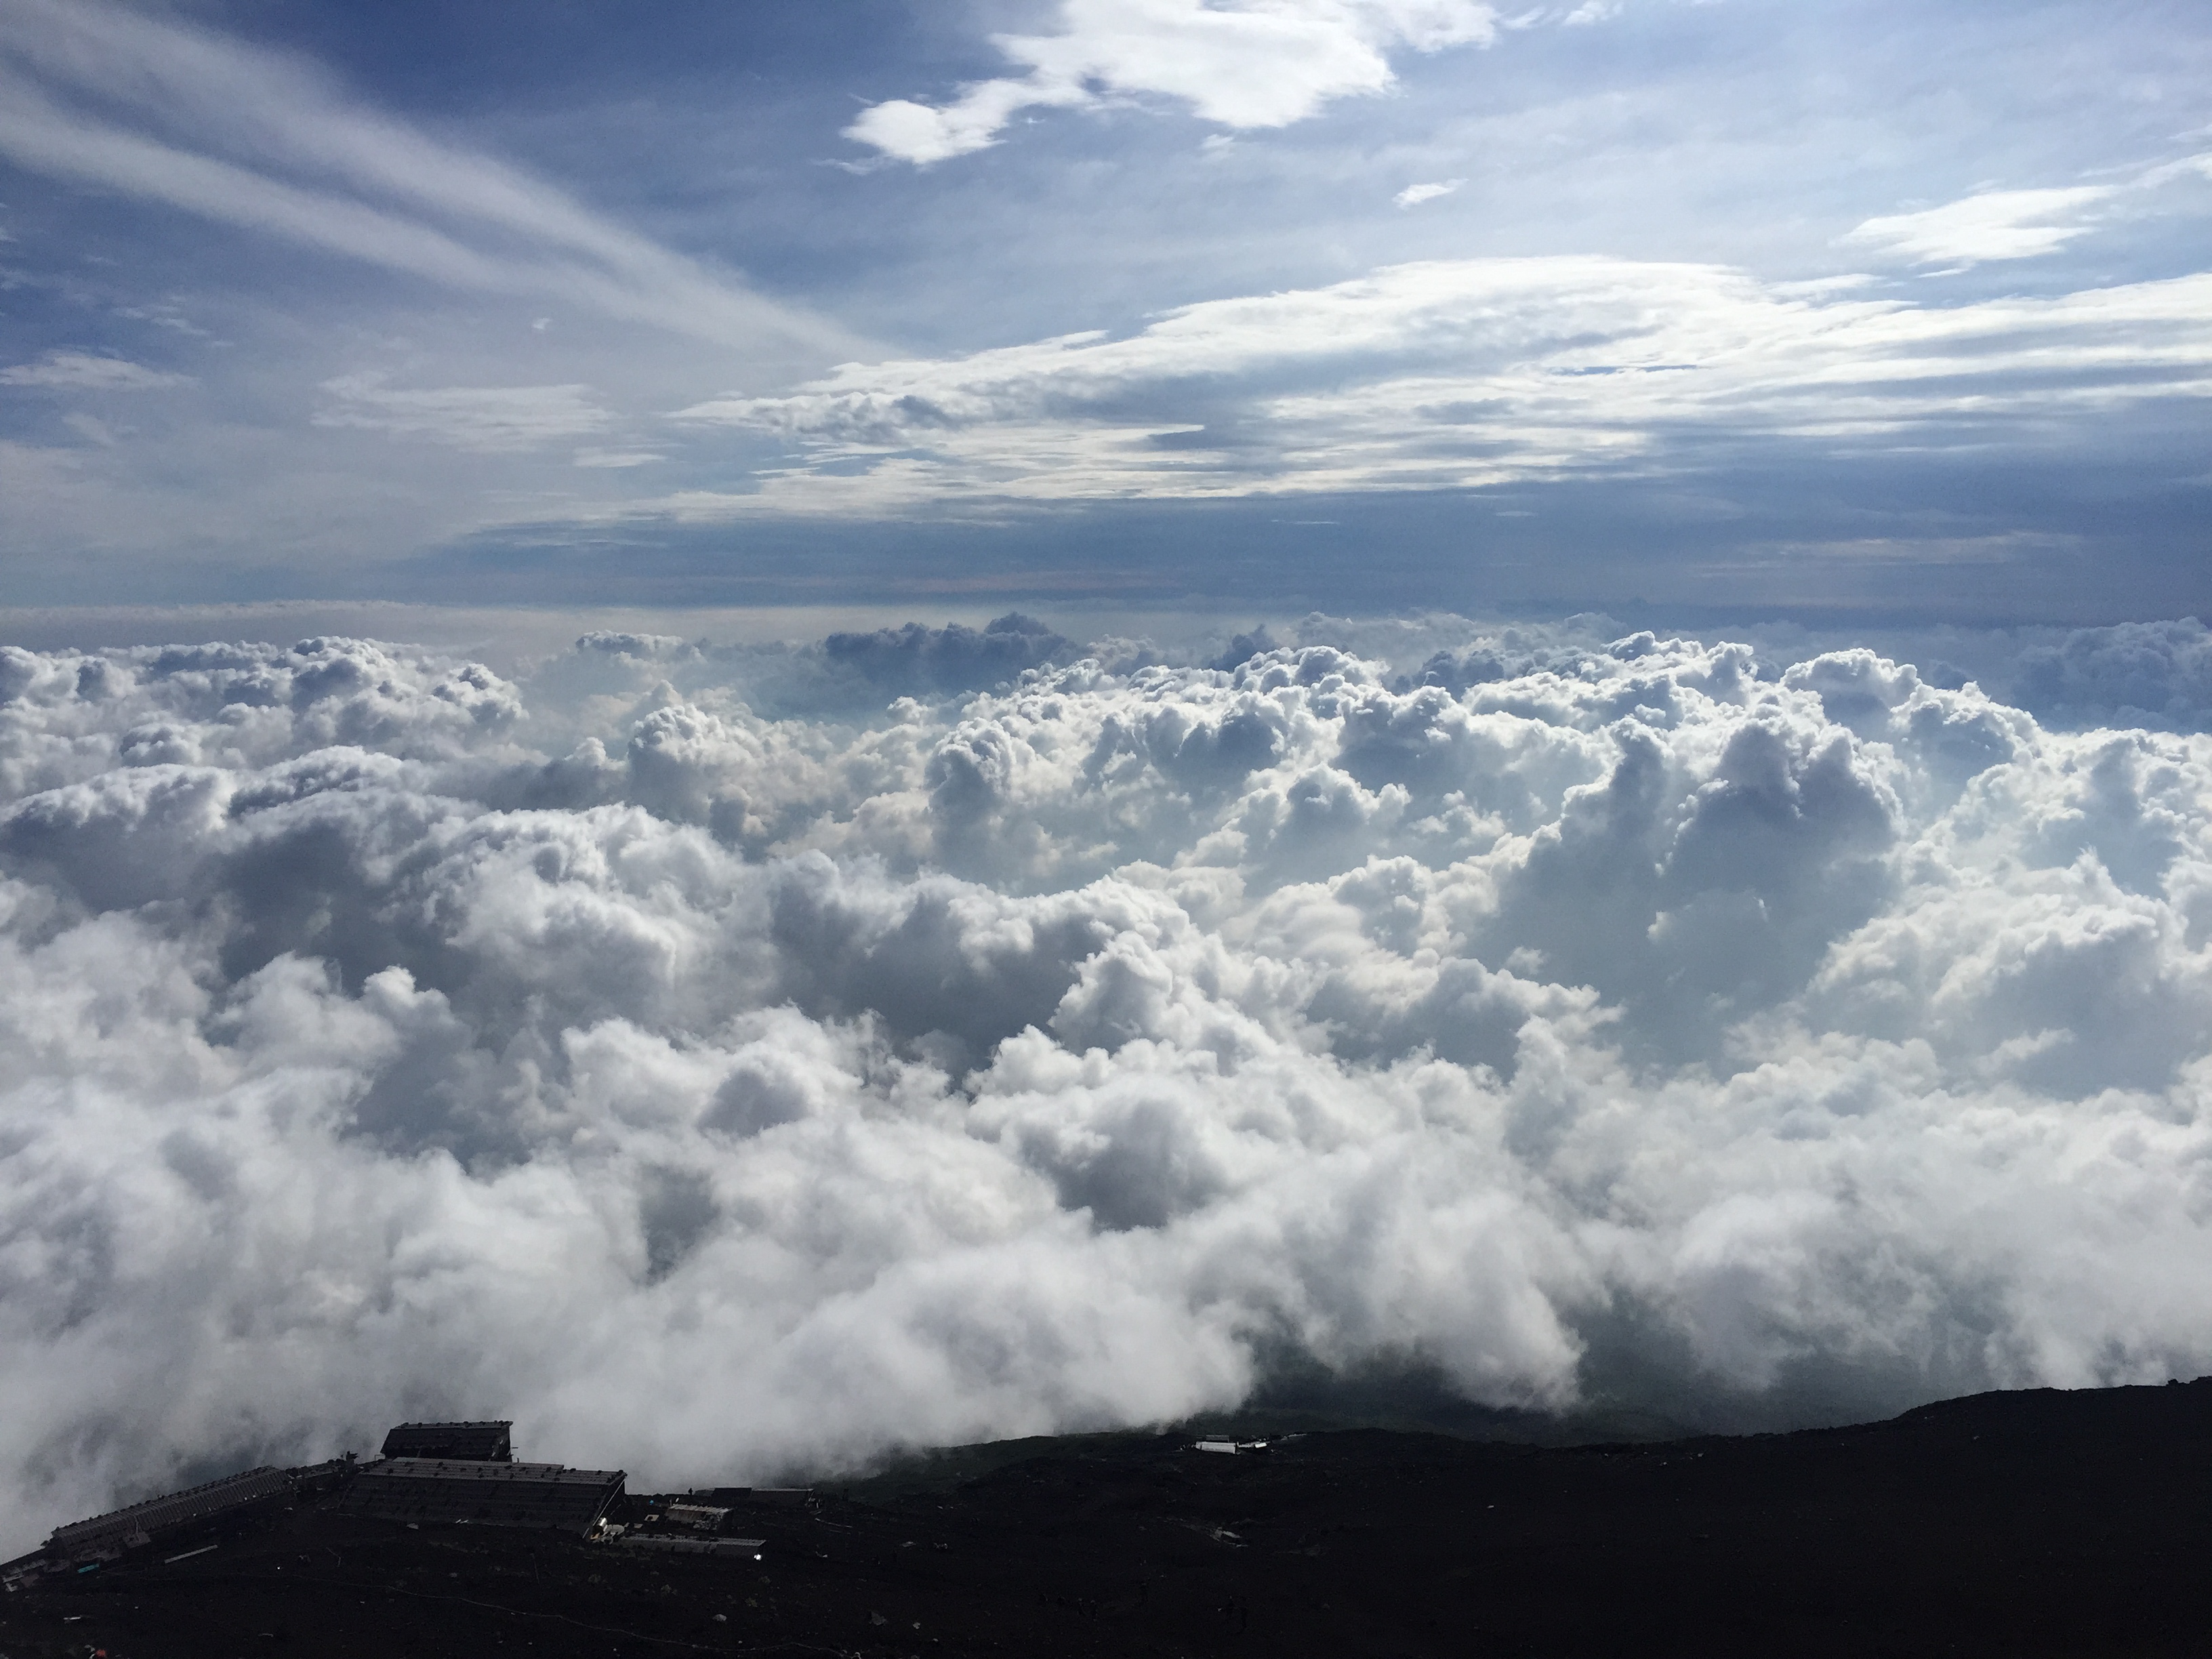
[1993,225]
[1414,195]
[2000,224]
[616,459]
[1457,374]
[245,136]
[492,419]
[85,371]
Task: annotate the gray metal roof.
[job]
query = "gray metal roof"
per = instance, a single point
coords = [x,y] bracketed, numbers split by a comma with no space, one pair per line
[488,1440]
[175,1509]
[456,1491]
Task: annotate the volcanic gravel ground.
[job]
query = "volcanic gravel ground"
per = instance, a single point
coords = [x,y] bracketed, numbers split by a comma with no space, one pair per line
[2022,1524]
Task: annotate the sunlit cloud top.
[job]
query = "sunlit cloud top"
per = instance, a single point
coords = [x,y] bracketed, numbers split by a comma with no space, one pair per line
[1247,64]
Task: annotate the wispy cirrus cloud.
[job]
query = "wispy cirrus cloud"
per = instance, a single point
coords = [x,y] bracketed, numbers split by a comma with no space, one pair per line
[616,459]
[1459,373]
[489,419]
[1997,224]
[85,371]
[1992,225]
[1243,63]
[1414,195]
[95,94]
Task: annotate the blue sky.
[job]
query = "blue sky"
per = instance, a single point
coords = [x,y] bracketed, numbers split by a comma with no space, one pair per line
[1733,308]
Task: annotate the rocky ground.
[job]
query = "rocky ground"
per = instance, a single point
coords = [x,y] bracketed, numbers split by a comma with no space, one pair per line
[2021,1524]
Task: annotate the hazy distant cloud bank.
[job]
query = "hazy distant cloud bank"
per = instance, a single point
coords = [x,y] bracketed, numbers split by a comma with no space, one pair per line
[724,1060]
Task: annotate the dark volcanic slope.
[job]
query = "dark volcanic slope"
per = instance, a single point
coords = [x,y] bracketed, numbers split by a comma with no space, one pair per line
[2018,1524]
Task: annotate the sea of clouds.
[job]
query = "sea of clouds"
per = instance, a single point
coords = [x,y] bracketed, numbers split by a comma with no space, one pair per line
[734,1061]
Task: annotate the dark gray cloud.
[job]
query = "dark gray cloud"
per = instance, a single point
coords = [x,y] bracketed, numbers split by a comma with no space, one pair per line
[2157,674]
[923,661]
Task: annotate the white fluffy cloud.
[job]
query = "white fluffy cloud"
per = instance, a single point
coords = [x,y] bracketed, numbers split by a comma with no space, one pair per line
[1241,62]
[729,1062]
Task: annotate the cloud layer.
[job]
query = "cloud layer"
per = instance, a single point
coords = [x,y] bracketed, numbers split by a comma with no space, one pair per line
[1451,375]
[732,1061]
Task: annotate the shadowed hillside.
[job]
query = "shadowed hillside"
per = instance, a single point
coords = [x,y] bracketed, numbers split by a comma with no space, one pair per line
[2030,1523]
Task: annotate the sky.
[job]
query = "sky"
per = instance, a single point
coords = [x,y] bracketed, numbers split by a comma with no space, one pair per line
[763,732]
[1727,309]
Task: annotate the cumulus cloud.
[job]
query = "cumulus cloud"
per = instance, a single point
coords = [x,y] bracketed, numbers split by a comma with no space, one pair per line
[2157,674]
[1448,375]
[949,658]
[1244,63]
[940,1034]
